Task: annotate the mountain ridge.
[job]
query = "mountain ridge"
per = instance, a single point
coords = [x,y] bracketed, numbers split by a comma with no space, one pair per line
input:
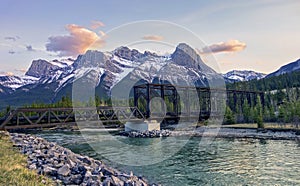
[106,69]
[290,67]
[242,75]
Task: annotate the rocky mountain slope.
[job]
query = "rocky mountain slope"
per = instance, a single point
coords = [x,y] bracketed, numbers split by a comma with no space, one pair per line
[291,67]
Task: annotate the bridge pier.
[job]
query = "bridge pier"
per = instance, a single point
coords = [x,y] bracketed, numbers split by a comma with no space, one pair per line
[142,125]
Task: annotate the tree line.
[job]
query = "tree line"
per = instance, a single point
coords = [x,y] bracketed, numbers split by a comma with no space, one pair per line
[281,100]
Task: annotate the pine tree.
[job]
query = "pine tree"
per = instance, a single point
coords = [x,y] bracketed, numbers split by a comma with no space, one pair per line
[259,113]
[246,111]
[229,116]
[266,114]
[272,114]
[282,114]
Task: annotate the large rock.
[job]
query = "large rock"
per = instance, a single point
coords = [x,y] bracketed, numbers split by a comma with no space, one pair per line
[49,171]
[64,170]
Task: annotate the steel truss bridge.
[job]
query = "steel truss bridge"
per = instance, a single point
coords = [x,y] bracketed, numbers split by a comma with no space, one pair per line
[172,103]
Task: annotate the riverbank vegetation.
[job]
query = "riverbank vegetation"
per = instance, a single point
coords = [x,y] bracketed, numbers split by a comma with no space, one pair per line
[281,100]
[13,169]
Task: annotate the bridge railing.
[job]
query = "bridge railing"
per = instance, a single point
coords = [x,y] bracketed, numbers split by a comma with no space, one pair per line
[46,117]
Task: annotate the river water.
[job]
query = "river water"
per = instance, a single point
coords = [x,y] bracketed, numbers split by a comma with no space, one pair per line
[222,162]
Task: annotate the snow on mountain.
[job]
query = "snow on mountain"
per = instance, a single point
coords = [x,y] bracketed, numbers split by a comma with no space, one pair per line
[183,68]
[14,82]
[291,67]
[242,75]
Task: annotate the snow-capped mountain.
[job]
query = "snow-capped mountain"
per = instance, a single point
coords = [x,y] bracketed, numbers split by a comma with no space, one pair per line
[242,75]
[291,67]
[14,82]
[46,81]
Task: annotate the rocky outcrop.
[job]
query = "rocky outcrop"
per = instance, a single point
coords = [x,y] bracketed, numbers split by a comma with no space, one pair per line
[146,134]
[126,53]
[92,58]
[185,55]
[68,168]
[41,68]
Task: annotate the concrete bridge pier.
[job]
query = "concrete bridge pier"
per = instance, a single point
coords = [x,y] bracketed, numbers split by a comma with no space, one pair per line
[142,125]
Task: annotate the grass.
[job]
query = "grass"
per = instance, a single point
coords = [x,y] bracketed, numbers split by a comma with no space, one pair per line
[13,169]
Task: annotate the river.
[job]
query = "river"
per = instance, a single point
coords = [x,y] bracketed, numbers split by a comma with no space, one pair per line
[222,162]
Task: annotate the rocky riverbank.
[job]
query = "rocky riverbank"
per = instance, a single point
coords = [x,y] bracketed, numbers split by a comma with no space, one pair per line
[68,168]
[239,133]
[146,134]
[218,132]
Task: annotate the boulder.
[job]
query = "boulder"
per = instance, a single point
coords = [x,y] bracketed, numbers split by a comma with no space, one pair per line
[64,170]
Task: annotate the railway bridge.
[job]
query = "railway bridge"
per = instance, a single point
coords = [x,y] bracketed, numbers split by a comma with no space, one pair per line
[173,103]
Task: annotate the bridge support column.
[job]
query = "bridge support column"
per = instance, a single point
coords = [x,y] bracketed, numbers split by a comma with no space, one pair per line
[142,125]
[148,97]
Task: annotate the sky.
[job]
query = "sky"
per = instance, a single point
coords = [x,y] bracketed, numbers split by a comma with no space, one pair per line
[259,35]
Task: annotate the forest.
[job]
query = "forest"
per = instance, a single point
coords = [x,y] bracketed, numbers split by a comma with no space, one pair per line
[281,100]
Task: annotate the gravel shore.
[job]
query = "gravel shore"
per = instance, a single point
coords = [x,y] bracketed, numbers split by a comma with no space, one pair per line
[239,133]
[68,168]
[219,133]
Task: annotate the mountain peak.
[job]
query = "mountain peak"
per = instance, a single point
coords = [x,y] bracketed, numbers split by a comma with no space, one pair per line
[185,55]
[40,68]
[92,58]
[126,53]
[184,46]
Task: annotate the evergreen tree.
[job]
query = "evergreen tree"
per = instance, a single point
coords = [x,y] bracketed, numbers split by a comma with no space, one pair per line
[246,111]
[272,114]
[259,113]
[229,116]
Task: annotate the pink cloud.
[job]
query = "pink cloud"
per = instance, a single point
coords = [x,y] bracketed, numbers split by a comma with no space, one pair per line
[153,37]
[23,70]
[228,46]
[96,24]
[78,41]
[9,74]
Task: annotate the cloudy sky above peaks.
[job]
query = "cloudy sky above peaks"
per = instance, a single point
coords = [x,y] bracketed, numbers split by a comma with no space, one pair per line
[260,35]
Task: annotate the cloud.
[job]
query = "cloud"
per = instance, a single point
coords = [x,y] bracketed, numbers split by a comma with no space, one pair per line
[96,24]
[229,46]
[9,74]
[23,70]
[29,48]
[12,38]
[3,73]
[153,37]
[77,42]
[102,34]
[11,52]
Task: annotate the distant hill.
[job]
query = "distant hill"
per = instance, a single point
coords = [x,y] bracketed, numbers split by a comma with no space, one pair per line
[283,81]
[242,75]
[291,67]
